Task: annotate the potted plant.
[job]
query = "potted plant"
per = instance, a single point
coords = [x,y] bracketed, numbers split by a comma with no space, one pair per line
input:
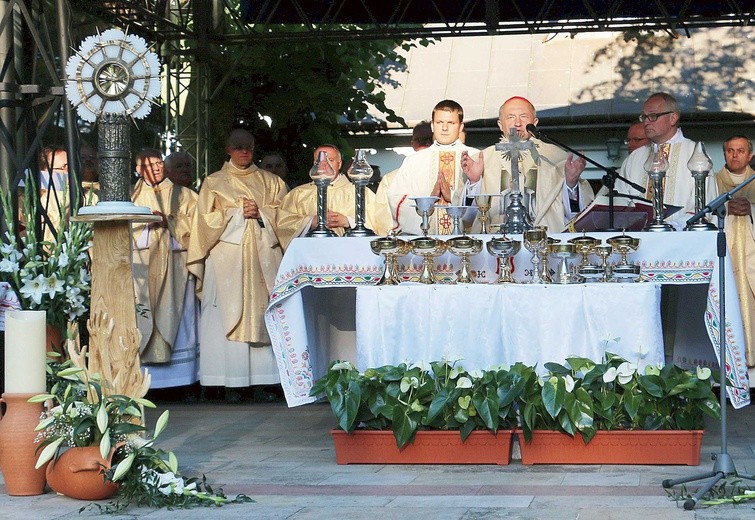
[95,445]
[593,409]
[406,410]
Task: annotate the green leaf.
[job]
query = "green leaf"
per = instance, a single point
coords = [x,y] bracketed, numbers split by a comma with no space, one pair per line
[439,402]
[487,405]
[632,404]
[41,398]
[405,425]
[172,462]
[553,396]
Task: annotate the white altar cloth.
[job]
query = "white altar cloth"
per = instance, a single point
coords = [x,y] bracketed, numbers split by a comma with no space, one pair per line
[490,325]
[308,329]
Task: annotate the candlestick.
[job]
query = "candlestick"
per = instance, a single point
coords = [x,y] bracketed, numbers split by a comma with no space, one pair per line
[25,352]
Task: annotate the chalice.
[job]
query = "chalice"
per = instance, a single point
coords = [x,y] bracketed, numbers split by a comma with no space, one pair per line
[624,244]
[425,207]
[584,245]
[504,248]
[604,251]
[428,248]
[536,241]
[464,247]
[545,268]
[456,213]
[391,248]
[483,204]
[564,252]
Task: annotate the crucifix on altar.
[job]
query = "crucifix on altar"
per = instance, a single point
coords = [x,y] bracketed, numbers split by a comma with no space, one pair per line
[516,217]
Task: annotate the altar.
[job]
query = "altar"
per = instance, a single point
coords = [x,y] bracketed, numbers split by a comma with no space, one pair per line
[311,317]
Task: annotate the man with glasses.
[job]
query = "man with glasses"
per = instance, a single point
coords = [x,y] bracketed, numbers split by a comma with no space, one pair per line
[234,251]
[660,117]
[167,309]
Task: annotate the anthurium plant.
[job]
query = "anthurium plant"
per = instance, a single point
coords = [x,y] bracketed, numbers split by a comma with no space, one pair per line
[408,398]
[582,397]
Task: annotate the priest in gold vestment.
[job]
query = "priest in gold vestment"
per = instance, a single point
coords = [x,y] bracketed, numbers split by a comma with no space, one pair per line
[234,250]
[740,230]
[298,211]
[161,280]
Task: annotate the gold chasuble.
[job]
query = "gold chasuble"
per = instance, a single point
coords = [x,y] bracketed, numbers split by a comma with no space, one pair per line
[159,266]
[740,237]
[299,208]
[243,254]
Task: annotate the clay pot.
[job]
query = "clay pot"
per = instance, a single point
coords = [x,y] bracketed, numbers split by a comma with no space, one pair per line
[17,446]
[77,473]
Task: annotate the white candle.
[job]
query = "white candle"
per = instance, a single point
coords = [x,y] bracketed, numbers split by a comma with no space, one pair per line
[25,352]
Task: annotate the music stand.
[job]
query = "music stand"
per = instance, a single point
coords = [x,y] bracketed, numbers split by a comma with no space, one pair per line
[724,464]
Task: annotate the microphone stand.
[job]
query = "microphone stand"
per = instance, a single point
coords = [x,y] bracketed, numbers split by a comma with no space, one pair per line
[608,180]
[724,464]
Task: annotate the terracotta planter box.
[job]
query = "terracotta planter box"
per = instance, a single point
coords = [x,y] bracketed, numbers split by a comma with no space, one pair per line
[666,447]
[429,447]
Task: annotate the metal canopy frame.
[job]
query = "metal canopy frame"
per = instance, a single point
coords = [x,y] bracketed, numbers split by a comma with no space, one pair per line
[191,35]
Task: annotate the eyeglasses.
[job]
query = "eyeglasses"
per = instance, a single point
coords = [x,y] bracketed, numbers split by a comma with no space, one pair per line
[653,117]
[635,139]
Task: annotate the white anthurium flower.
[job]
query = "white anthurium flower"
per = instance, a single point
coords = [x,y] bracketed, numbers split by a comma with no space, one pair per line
[451,358]
[703,373]
[34,288]
[476,374]
[540,381]
[569,383]
[652,370]
[625,372]
[408,382]
[455,371]
[641,352]
[610,375]
[342,365]
[606,341]
[464,382]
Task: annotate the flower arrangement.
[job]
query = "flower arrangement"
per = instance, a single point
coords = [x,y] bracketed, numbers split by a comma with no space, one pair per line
[82,413]
[583,397]
[49,276]
[408,398]
[580,397]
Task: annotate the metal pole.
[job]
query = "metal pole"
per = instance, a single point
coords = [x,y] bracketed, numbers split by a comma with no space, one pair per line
[72,145]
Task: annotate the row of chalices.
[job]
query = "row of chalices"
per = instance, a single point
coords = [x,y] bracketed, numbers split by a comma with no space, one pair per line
[605,272]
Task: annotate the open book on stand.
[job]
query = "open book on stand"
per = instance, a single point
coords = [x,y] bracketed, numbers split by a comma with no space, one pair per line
[628,214]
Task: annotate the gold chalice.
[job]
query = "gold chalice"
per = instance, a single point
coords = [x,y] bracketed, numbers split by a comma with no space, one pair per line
[584,245]
[483,204]
[464,247]
[504,248]
[428,248]
[604,251]
[624,244]
[391,248]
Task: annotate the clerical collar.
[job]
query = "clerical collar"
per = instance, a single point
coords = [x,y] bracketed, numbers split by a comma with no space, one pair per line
[244,170]
[455,144]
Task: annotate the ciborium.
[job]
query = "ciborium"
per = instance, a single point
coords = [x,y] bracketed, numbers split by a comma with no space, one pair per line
[428,248]
[504,248]
[584,246]
[456,213]
[604,251]
[564,252]
[391,248]
[425,206]
[624,244]
[464,247]
[483,203]
[536,242]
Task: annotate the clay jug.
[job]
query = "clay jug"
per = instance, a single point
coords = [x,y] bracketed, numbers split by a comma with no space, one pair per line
[77,473]
[17,447]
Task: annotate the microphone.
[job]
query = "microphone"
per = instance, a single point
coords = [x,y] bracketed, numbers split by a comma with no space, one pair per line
[532,129]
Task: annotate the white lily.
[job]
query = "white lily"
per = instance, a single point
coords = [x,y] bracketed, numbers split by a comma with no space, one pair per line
[34,288]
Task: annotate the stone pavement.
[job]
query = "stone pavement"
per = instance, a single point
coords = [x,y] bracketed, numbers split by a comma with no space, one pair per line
[283,458]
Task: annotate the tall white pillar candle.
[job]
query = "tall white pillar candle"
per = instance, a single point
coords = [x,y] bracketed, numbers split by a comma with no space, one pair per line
[25,352]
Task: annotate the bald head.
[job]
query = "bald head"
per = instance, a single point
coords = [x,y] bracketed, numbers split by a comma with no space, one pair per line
[178,168]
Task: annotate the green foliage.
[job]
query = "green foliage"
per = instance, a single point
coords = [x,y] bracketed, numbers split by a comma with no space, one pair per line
[580,397]
[407,398]
[584,397]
